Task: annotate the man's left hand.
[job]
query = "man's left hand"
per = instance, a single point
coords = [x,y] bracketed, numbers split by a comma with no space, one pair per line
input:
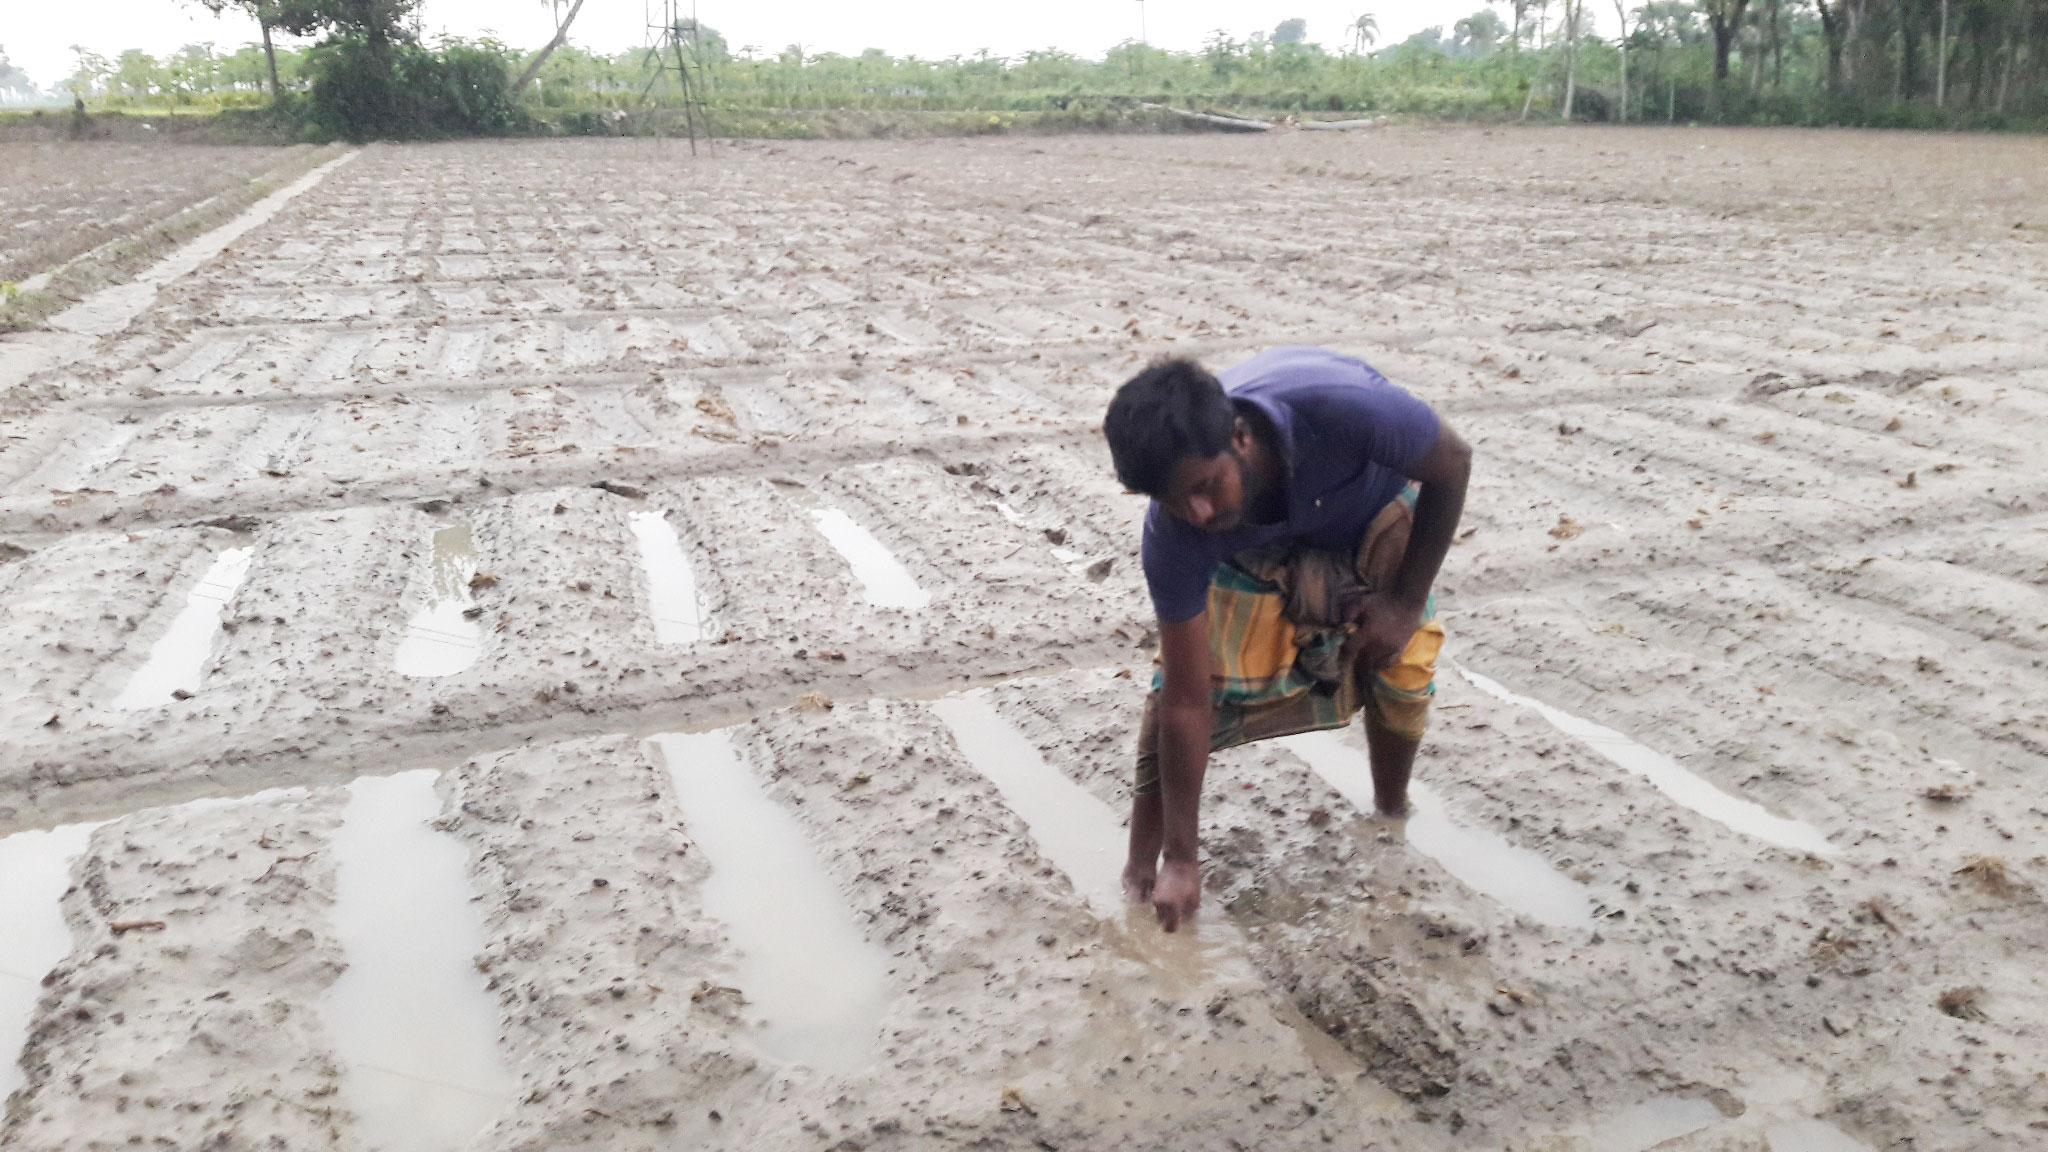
[1384,622]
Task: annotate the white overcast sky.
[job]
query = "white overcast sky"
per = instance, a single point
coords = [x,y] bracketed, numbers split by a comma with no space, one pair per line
[37,33]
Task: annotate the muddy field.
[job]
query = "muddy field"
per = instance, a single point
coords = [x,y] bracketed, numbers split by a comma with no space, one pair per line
[558,645]
[58,200]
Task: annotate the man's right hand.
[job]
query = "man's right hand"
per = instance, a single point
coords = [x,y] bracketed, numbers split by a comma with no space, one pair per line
[1176,893]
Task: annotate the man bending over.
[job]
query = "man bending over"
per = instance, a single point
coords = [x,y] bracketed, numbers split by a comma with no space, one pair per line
[1301,506]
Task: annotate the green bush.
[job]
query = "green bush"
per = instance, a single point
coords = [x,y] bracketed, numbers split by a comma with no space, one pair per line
[403,90]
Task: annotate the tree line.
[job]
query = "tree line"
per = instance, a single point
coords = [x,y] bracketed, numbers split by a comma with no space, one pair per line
[1929,63]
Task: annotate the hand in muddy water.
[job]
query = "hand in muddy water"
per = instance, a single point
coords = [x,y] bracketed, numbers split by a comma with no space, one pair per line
[1177,892]
[1139,876]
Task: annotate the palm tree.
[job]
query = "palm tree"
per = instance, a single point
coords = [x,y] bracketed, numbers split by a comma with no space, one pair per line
[1365,31]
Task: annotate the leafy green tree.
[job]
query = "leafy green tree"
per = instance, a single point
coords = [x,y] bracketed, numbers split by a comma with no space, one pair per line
[1725,17]
[1224,53]
[136,76]
[1293,30]
[1476,35]
[14,83]
[296,17]
[89,77]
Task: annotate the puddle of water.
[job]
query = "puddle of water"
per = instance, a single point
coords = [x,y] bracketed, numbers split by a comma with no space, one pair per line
[1812,1136]
[440,640]
[679,616]
[821,988]
[1668,777]
[1646,1125]
[1513,876]
[35,870]
[412,1022]
[1074,830]
[178,659]
[886,581]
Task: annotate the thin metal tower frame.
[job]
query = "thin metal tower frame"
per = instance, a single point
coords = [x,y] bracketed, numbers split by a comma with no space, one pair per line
[665,52]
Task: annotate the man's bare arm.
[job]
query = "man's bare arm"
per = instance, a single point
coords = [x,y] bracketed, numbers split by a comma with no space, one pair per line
[1443,473]
[1185,722]
[1388,618]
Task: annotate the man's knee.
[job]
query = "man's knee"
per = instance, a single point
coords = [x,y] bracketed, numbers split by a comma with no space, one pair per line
[1402,713]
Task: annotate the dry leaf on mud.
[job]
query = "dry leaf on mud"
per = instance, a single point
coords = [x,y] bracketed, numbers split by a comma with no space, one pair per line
[1962,1003]
[814,702]
[483,580]
[1567,528]
[1013,1101]
[1990,874]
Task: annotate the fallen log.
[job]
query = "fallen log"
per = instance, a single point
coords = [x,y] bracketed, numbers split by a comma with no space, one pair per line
[1213,120]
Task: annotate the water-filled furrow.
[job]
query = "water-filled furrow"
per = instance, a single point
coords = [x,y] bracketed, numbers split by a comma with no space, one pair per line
[410,1018]
[820,989]
[35,872]
[883,579]
[673,596]
[1513,876]
[177,660]
[442,638]
[1668,777]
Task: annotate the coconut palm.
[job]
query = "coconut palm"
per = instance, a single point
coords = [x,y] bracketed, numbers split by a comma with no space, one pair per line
[1365,31]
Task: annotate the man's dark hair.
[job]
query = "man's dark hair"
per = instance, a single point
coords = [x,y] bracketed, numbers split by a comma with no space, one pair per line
[1171,411]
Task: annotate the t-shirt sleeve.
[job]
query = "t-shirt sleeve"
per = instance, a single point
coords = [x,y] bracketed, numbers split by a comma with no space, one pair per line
[1177,568]
[1381,421]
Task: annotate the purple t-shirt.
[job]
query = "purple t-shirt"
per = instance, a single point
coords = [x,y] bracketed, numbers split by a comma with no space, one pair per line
[1349,440]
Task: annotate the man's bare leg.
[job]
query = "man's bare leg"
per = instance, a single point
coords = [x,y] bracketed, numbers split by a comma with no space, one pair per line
[1393,759]
[1148,835]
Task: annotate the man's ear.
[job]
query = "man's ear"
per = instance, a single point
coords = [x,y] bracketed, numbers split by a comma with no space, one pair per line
[1241,436]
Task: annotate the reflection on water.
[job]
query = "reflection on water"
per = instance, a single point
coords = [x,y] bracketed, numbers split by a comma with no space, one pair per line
[441,639]
[177,660]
